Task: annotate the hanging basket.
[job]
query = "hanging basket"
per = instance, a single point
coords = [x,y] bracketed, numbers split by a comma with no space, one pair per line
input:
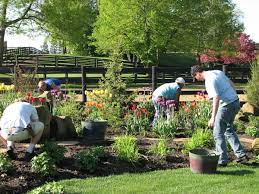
[203,161]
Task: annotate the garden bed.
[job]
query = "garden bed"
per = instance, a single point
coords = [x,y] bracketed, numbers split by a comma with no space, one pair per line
[23,180]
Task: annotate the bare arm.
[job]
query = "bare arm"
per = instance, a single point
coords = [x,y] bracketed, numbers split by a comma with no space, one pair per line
[177,98]
[214,111]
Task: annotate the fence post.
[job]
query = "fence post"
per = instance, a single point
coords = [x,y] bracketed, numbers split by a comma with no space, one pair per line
[154,78]
[16,60]
[83,83]
[224,69]
[56,60]
[75,62]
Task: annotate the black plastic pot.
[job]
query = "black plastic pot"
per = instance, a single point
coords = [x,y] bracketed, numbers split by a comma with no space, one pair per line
[94,129]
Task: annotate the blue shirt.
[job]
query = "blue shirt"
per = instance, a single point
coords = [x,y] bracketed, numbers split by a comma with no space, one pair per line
[218,84]
[51,81]
[167,91]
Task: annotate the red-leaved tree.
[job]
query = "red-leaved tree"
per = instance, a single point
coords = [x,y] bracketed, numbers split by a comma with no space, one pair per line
[239,50]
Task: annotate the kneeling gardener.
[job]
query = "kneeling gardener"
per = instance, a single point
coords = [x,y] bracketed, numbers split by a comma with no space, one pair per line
[19,122]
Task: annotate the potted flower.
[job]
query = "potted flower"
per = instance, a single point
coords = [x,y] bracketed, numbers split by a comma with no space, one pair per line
[94,125]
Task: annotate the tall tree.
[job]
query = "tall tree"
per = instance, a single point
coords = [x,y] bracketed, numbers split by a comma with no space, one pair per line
[70,22]
[139,27]
[14,15]
[204,24]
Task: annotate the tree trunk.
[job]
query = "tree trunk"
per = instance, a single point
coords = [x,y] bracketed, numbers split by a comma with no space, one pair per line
[2,34]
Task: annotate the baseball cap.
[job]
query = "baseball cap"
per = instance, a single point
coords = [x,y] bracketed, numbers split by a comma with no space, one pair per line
[180,80]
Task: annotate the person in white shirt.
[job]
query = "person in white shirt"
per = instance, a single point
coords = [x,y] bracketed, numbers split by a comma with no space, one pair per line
[168,91]
[19,122]
[225,107]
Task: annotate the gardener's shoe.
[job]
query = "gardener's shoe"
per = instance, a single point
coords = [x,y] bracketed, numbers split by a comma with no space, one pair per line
[28,156]
[242,160]
[11,153]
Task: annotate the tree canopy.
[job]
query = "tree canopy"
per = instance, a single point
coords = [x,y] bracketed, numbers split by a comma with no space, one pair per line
[70,23]
[17,15]
[147,27]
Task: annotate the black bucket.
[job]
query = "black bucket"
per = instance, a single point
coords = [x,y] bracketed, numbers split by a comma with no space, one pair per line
[94,129]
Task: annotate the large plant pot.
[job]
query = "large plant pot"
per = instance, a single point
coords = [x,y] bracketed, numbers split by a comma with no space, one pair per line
[94,129]
[203,161]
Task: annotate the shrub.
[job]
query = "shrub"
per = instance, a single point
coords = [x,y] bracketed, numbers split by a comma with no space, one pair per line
[51,188]
[200,138]
[55,151]
[5,164]
[89,159]
[126,148]
[252,89]
[43,164]
[160,148]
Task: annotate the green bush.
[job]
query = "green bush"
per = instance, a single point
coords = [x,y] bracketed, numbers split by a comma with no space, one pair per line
[55,151]
[43,164]
[88,159]
[200,138]
[252,89]
[160,148]
[51,188]
[5,164]
[126,148]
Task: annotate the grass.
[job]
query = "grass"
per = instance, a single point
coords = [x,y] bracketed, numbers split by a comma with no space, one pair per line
[232,179]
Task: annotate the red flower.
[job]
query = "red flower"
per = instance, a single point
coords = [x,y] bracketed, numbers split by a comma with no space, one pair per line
[41,100]
[32,99]
[134,107]
[28,94]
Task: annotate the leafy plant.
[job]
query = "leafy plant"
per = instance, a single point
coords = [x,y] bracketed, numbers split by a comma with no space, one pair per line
[252,131]
[137,120]
[254,121]
[239,126]
[89,159]
[55,151]
[43,164]
[160,148]
[126,148]
[252,89]
[70,107]
[6,97]
[51,188]
[5,164]
[165,127]
[200,138]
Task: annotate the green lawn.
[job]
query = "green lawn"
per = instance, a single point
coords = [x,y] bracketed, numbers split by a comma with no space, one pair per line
[232,179]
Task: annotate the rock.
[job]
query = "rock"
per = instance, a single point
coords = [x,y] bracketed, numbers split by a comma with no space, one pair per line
[65,128]
[45,117]
[255,144]
[248,108]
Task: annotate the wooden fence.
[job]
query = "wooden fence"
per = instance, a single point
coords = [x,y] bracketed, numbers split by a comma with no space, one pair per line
[144,76]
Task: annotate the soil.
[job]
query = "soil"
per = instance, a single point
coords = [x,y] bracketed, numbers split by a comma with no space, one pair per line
[23,180]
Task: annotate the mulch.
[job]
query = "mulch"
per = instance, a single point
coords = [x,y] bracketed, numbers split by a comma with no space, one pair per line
[23,179]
